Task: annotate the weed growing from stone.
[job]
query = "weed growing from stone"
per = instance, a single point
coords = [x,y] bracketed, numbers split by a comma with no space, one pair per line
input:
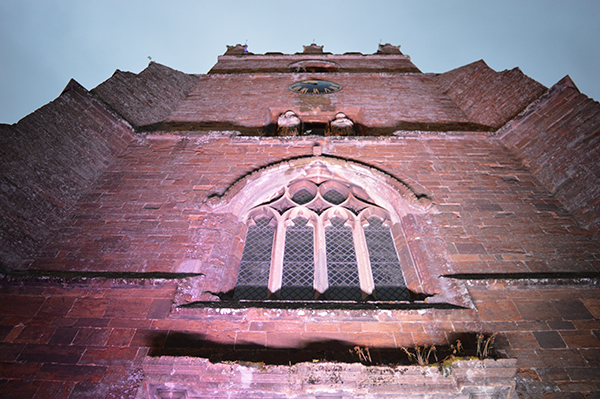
[484,345]
[363,354]
[421,355]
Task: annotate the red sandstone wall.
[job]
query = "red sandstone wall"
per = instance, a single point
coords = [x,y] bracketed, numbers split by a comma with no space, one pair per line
[90,338]
[86,340]
[557,139]
[144,213]
[503,206]
[47,161]
[75,338]
[343,63]
[148,97]
[488,97]
[247,101]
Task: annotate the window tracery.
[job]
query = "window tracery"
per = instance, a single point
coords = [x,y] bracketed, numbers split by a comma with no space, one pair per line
[322,239]
[267,194]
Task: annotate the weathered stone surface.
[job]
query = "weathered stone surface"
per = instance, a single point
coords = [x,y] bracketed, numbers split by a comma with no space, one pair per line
[459,379]
[47,161]
[557,139]
[148,97]
[484,224]
[488,97]
[234,101]
[269,63]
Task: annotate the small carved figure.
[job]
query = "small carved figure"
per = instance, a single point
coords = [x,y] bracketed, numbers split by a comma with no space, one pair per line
[341,125]
[288,124]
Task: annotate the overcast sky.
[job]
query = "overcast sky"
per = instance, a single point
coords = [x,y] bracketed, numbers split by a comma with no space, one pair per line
[43,44]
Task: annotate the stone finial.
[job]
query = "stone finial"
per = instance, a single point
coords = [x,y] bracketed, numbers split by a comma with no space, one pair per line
[388,49]
[313,49]
[238,49]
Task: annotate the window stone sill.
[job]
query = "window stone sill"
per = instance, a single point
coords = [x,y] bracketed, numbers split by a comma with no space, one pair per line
[316,304]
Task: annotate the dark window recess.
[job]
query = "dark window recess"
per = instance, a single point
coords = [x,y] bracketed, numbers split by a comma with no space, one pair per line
[291,278]
[314,129]
[318,129]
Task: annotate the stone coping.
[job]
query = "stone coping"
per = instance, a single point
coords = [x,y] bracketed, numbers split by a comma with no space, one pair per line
[187,377]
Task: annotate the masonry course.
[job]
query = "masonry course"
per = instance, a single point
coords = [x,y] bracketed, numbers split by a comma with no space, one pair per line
[91,184]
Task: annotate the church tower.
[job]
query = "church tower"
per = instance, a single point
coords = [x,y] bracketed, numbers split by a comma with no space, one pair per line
[308,225]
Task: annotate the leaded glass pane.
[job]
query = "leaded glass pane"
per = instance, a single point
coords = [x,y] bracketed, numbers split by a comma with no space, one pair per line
[334,196]
[342,269]
[298,262]
[253,277]
[302,196]
[387,273]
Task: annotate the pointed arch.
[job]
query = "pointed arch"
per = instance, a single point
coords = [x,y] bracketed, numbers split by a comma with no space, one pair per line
[318,208]
[375,203]
[265,184]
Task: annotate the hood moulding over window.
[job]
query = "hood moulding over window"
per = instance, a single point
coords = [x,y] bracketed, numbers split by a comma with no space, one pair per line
[263,185]
[333,189]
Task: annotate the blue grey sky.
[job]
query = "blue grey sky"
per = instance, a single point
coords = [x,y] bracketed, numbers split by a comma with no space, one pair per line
[43,44]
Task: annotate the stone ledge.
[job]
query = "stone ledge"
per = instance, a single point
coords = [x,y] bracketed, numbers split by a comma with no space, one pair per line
[187,377]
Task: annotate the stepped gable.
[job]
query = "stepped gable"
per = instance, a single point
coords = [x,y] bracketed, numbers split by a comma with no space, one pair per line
[47,160]
[558,138]
[488,97]
[148,97]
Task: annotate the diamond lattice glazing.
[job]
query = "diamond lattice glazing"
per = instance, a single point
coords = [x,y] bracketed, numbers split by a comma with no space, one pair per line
[334,196]
[387,272]
[342,269]
[298,262]
[302,196]
[298,267]
[253,276]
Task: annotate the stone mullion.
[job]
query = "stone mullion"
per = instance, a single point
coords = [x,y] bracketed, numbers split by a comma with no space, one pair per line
[276,271]
[365,274]
[320,282]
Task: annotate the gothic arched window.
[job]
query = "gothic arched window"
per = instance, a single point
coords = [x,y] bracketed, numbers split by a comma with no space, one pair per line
[320,239]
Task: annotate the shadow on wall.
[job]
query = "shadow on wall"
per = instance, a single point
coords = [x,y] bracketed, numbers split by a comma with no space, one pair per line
[164,343]
[338,297]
